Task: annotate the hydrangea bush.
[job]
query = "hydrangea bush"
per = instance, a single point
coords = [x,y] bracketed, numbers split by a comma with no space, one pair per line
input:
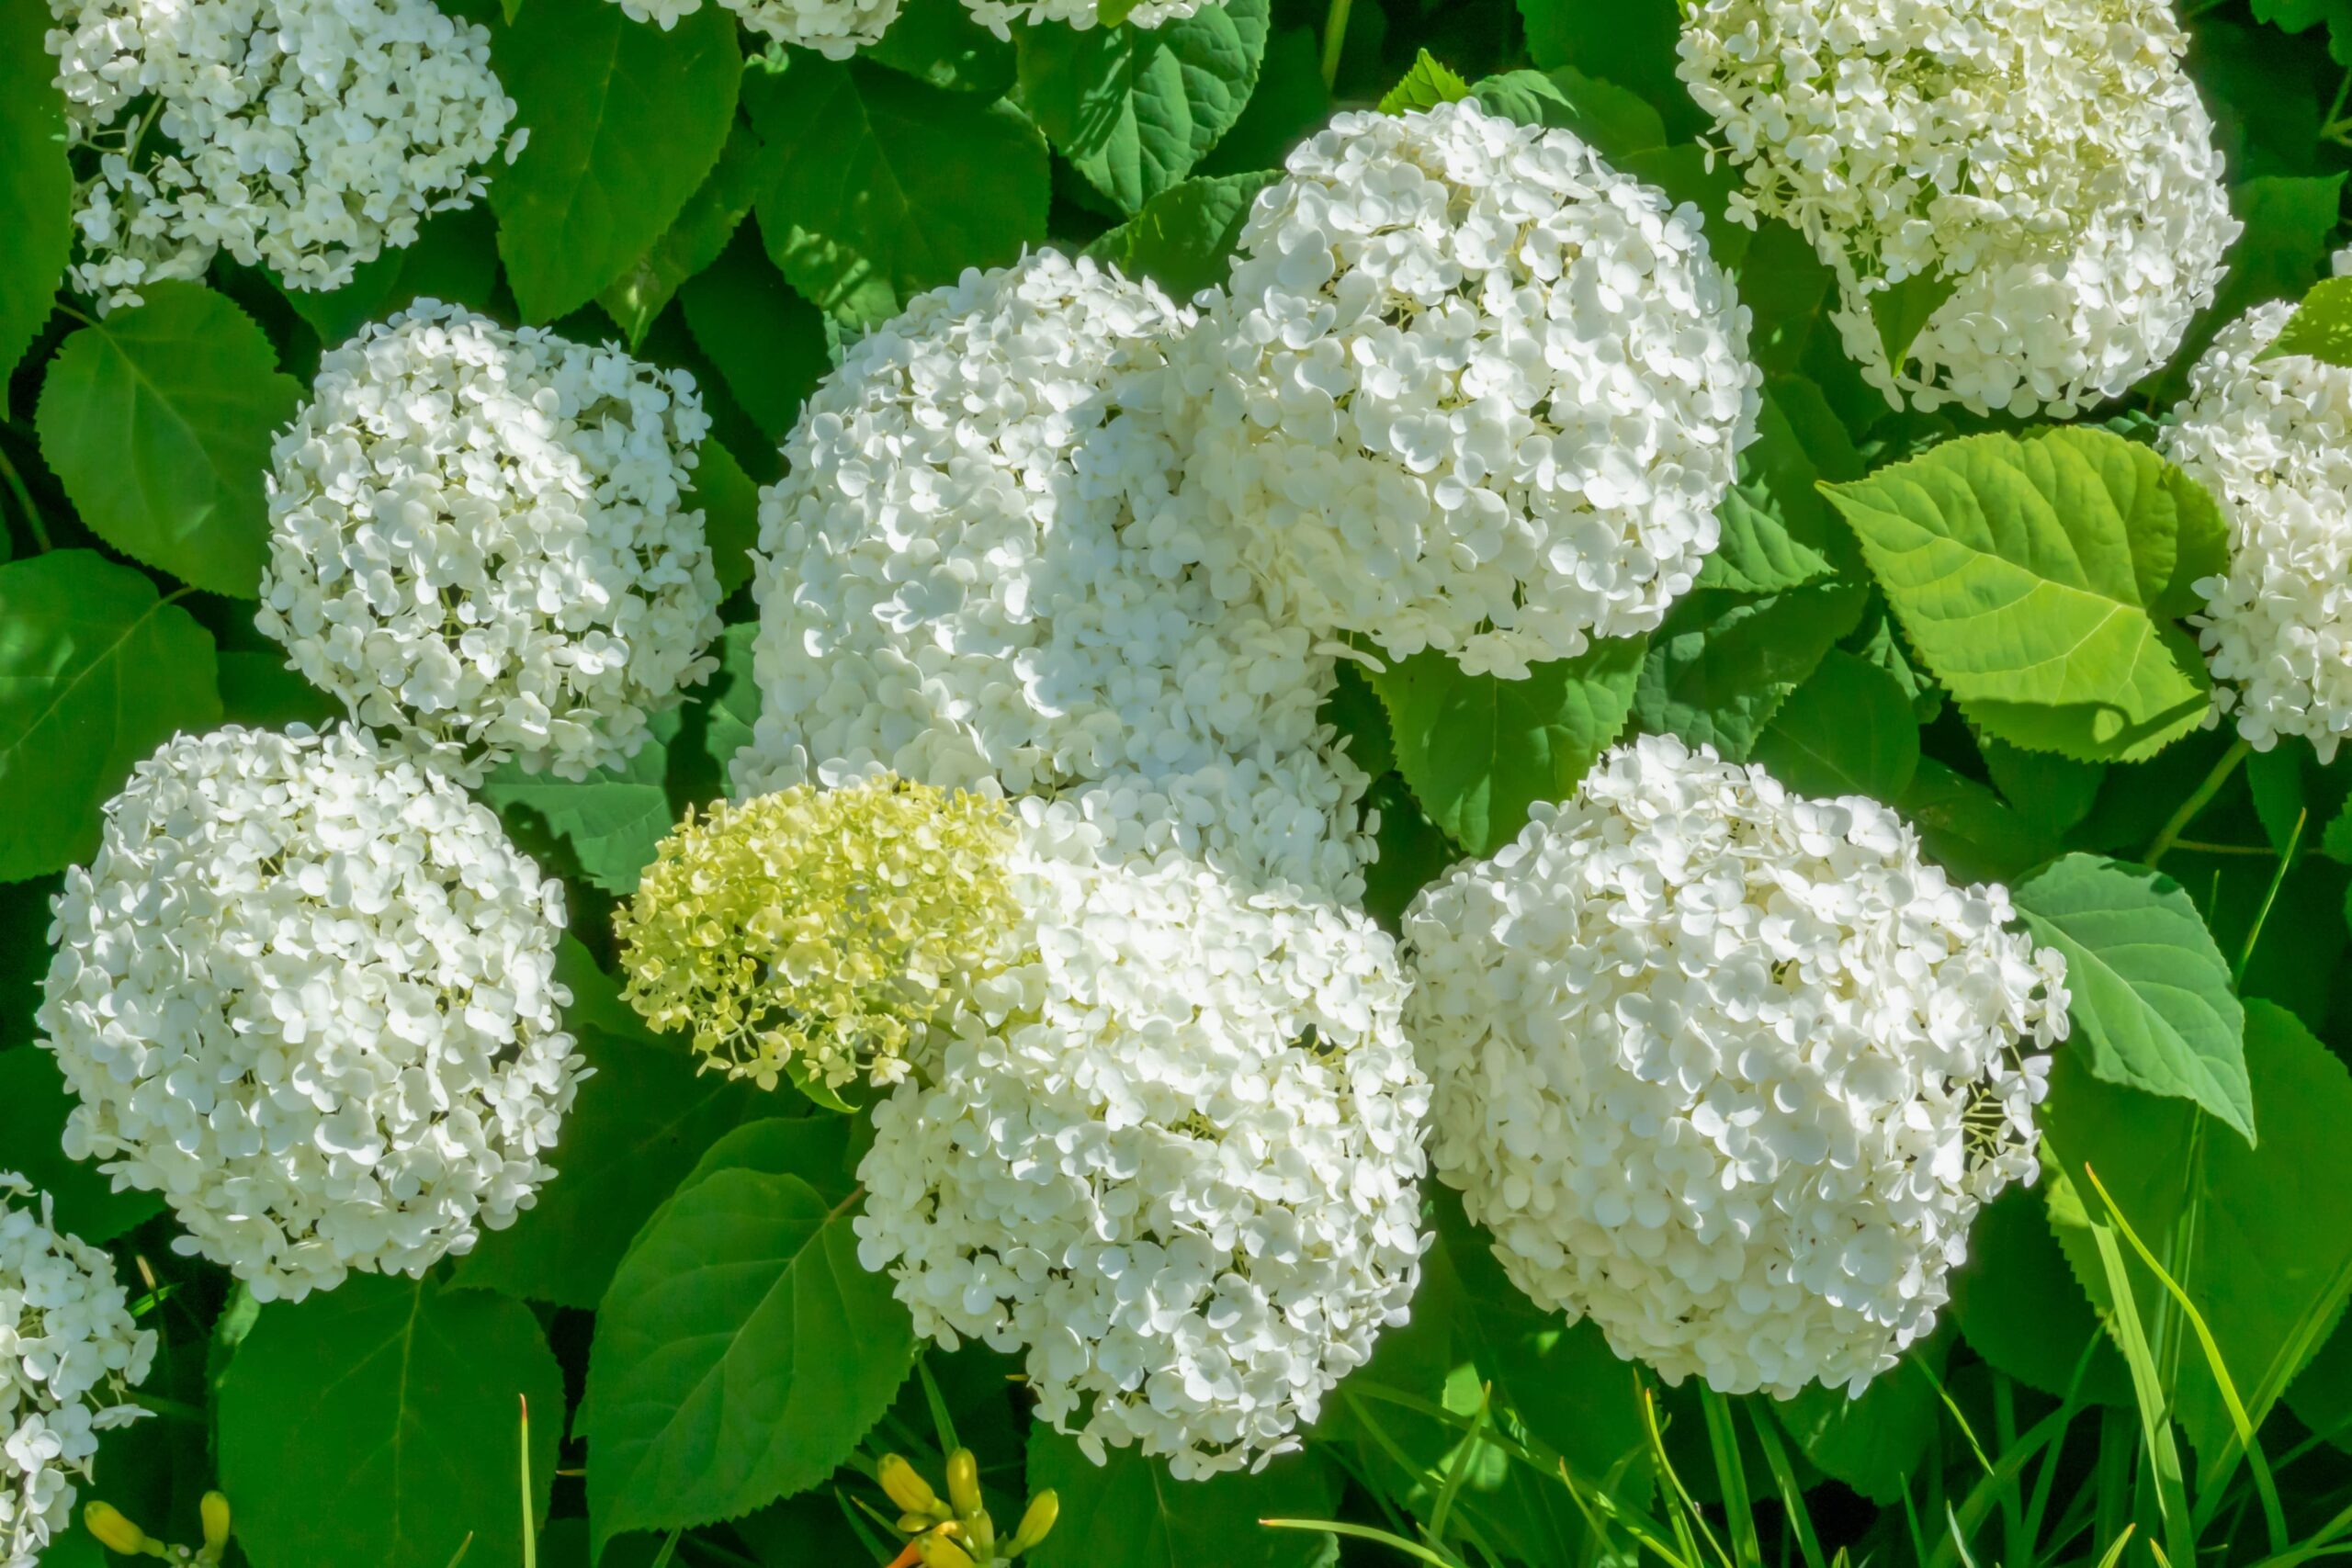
[943,782]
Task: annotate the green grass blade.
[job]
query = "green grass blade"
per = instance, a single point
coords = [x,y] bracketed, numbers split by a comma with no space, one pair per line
[2148,1388]
[1784,1477]
[1731,1475]
[1412,1548]
[530,1523]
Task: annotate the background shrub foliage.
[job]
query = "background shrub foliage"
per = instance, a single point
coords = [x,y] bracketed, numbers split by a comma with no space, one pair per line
[711,1373]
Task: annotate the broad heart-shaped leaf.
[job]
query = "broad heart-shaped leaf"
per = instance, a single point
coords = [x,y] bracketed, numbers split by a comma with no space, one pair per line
[34,1103]
[1133,109]
[767,341]
[2152,1004]
[1479,750]
[1872,1442]
[95,671]
[2321,326]
[35,185]
[375,1425]
[1758,553]
[1901,312]
[1184,237]
[1724,662]
[1968,829]
[1848,730]
[2261,1239]
[1425,87]
[158,422]
[2054,793]
[941,42]
[1616,123]
[614,818]
[741,1351]
[1128,1512]
[885,187]
[626,121]
[711,217]
[455,259]
[729,503]
[2040,579]
[2021,1309]
[638,1127]
[1631,42]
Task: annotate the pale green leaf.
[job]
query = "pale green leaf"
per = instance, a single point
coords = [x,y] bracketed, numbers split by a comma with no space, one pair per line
[1183,238]
[1758,553]
[1128,1511]
[1848,730]
[1723,663]
[1425,87]
[35,185]
[614,818]
[2321,326]
[158,421]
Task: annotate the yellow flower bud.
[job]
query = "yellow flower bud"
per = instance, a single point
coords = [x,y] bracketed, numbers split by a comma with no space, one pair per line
[115,1532]
[907,1487]
[964,1482]
[1036,1524]
[938,1551]
[215,1512]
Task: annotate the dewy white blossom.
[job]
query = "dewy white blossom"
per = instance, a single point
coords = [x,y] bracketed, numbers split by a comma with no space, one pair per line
[998,16]
[2271,439]
[978,574]
[2051,164]
[303,135]
[834,28]
[306,992]
[69,1352]
[1176,1162]
[1472,390]
[1728,1070]
[479,542]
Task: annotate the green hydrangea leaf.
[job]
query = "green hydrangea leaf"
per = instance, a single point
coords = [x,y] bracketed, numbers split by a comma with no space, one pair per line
[626,122]
[1723,663]
[158,421]
[2041,580]
[939,43]
[1425,87]
[1632,42]
[1127,1512]
[96,670]
[455,259]
[2022,1310]
[34,1103]
[1875,1441]
[1848,730]
[613,820]
[377,1425]
[2051,792]
[1614,122]
[1133,109]
[2152,1007]
[1184,238]
[767,341]
[731,513]
[1968,829]
[711,217]
[2321,326]
[36,183]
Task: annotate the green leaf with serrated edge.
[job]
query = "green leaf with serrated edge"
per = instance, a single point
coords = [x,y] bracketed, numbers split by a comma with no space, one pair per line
[1425,87]
[158,422]
[729,503]
[2261,1239]
[2041,581]
[1614,122]
[1723,663]
[1968,829]
[34,1104]
[2152,1006]
[455,259]
[636,1130]
[1413,850]
[374,1425]
[2321,326]
[1901,312]
[95,671]
[1479,749]
[2021,1309]
[1758,554]
[2290,222]
[1354,709]
[732,702]
[1183,238]
[1848,730]
[741,1352]
[626,122]
[614,818]
[887,188]
[1632,42]
[710,218]
[1133,109]
[1875,639]
[35,185]
[768,343]
[2054,793]
[1289,103]
[1875,1441]
[941,44]
[1128,1512]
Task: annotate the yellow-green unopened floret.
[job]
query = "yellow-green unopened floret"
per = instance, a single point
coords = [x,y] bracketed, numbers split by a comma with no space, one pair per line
[829,925]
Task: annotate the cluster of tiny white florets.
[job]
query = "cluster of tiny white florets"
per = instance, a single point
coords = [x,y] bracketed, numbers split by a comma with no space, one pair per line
[69,1350]
[306,991]
[302,135]
[978,574]
[2051,163]
[478,542]
[2271,439]
[998,16]
[1472,390]
[834,28]
[1728,1070]
[1176,1162]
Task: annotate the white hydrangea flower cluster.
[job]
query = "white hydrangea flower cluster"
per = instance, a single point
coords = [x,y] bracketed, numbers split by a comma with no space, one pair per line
[1726,1069]
[68,1351]
[998,16]
[306,991]
[478,542]
[2271,440]
[1472,390]
[834,28]
[1176,1162]
[2052,163]
[302,135]
[977,573]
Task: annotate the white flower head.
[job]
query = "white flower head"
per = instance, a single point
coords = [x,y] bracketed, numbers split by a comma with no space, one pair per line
[834,28]
[2271,440]
[479,542]
[2051,164]
[304,135]
[68,1353]
[998,16]
[978,574]
[1175,1161]
[1726,1069]
[306,992]
[1472,390]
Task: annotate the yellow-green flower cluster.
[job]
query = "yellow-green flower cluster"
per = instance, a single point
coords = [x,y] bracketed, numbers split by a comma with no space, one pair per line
[815,933]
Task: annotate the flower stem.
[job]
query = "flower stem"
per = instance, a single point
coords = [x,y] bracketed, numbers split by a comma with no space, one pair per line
[2199,799]
[1335,37]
